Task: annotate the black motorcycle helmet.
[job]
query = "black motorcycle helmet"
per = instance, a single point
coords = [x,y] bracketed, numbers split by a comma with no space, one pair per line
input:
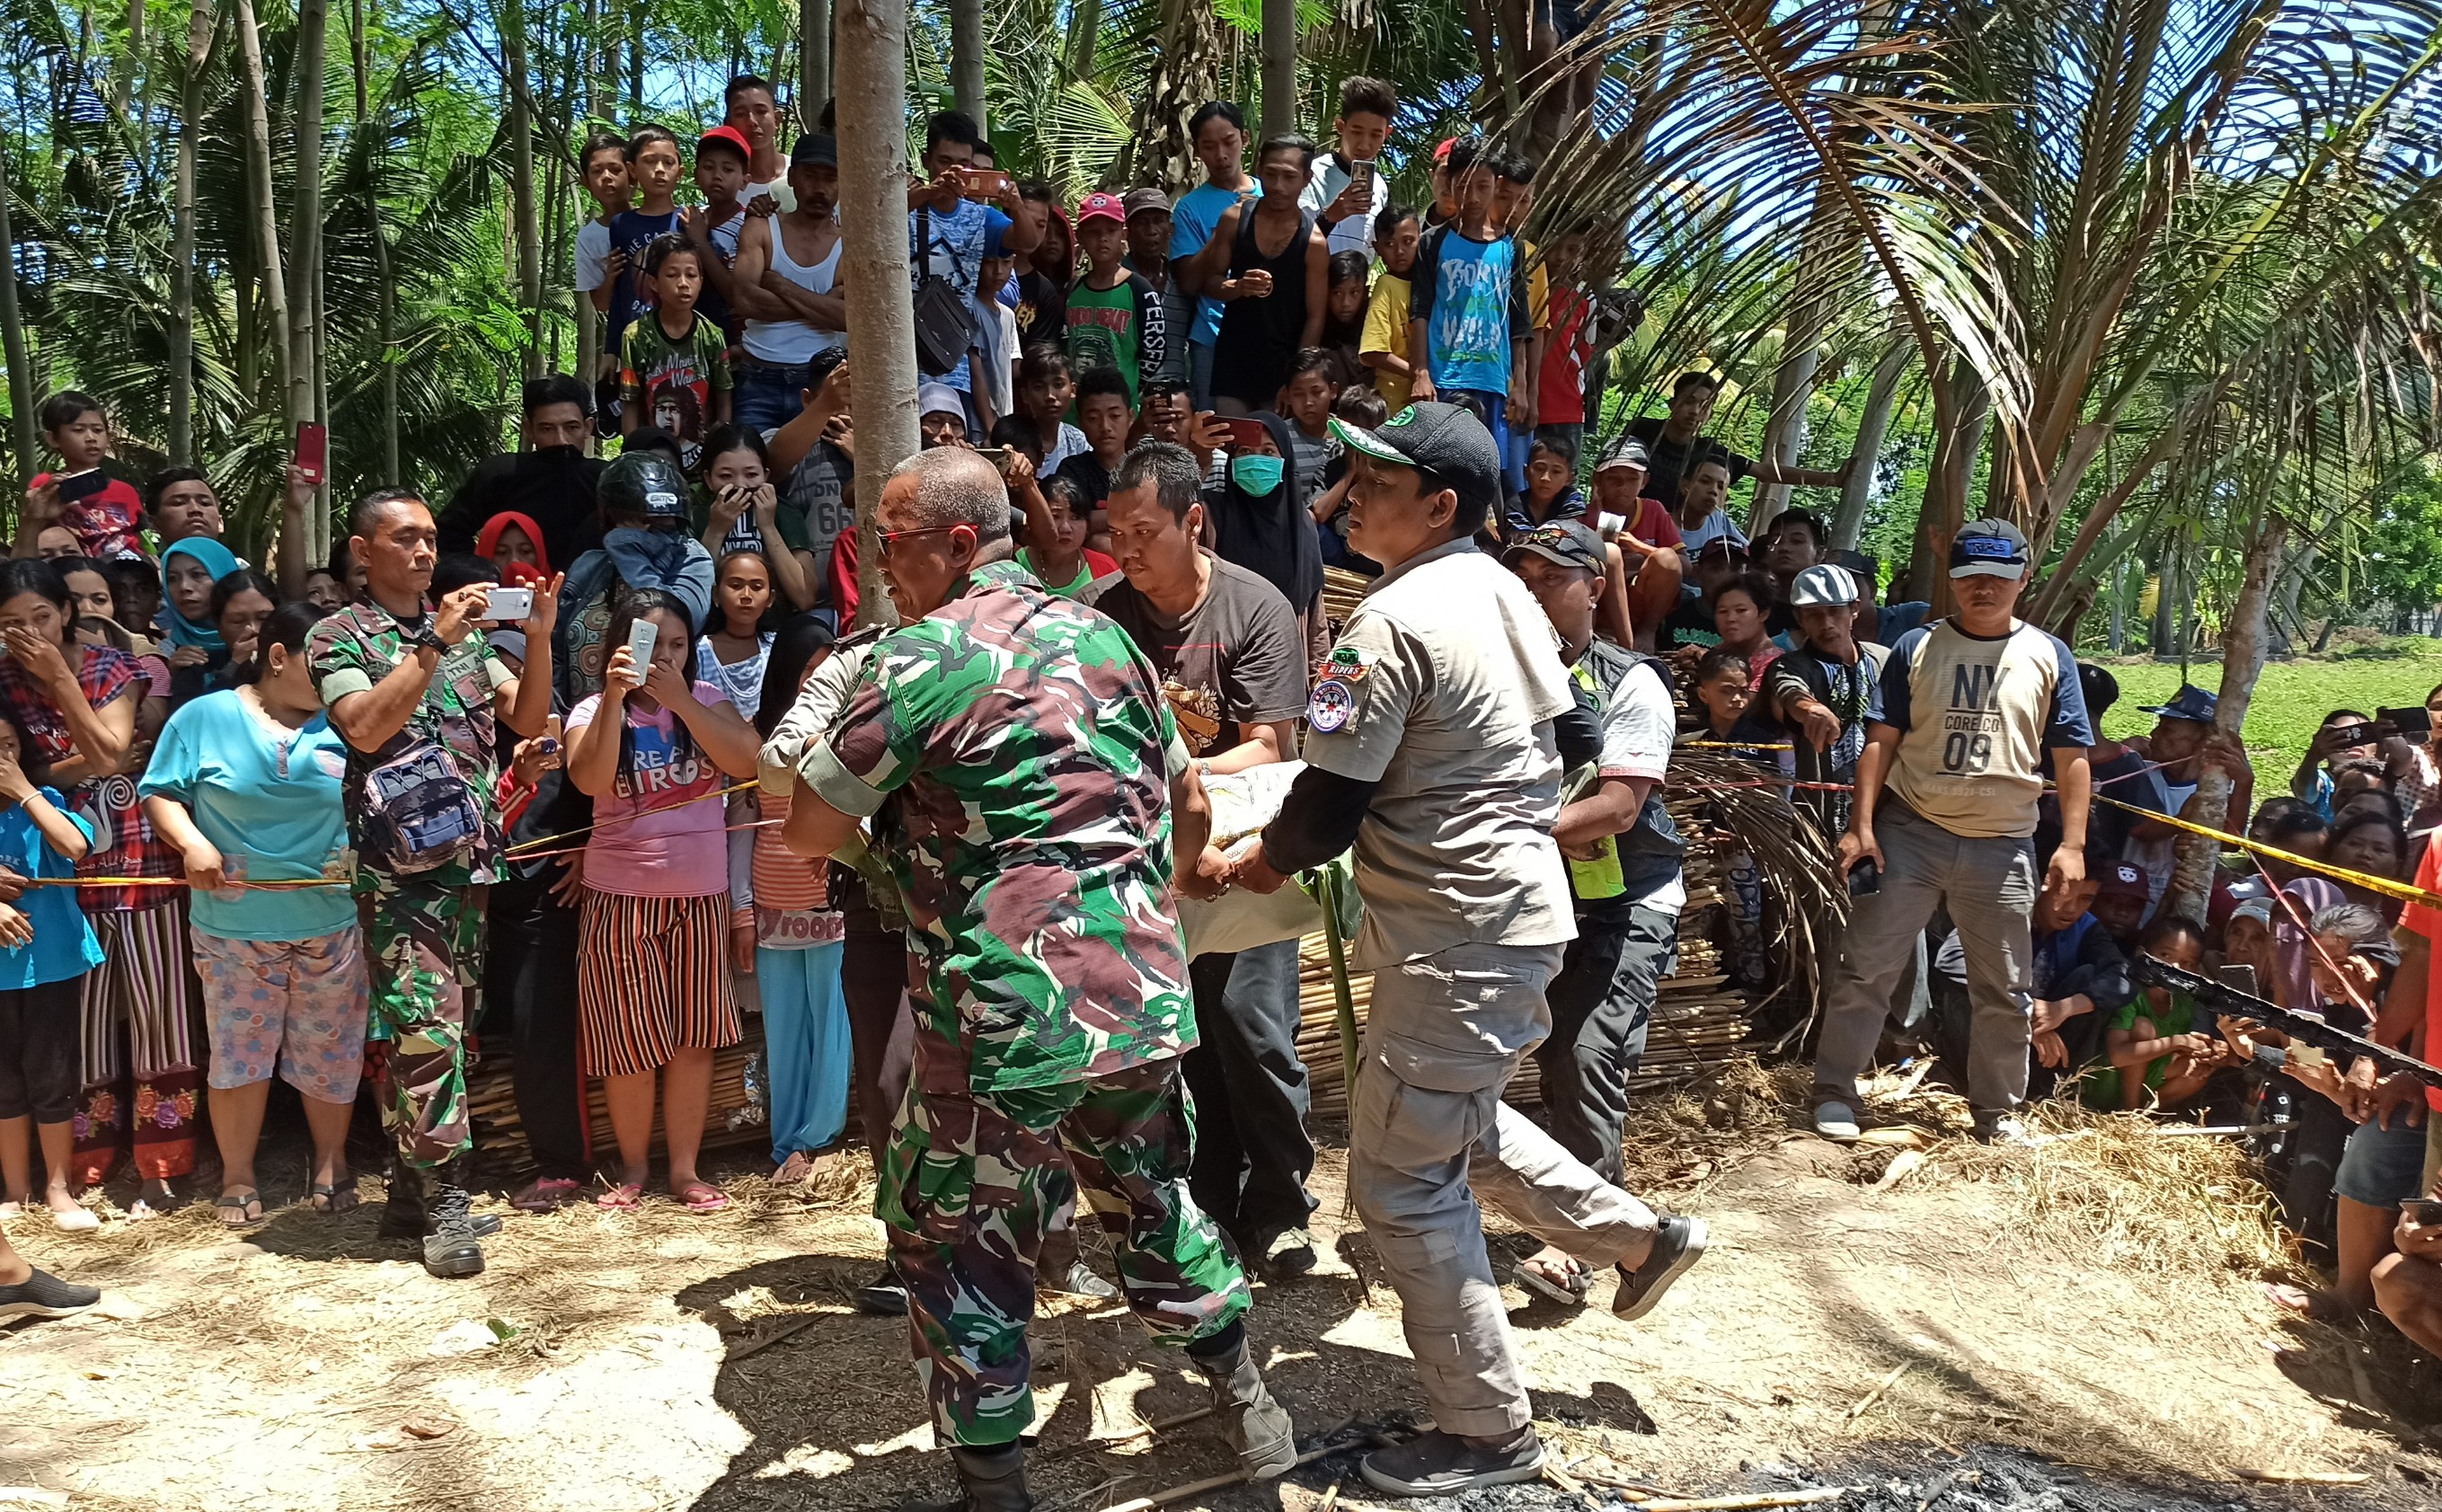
[645,486]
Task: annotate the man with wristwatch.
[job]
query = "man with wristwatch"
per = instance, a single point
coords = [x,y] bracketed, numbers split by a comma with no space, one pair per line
[413,688]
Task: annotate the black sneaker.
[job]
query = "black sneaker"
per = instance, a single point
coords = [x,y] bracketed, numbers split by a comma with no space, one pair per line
[452,1231]
[1289,1252]
[43,1295]
[1439,1464]
[882,1296]
[1677,1244]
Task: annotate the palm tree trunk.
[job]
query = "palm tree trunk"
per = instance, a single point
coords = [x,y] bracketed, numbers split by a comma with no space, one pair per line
[1873,423]
[266,214]
[1955,446]
[123,87]
[1280,67]
[182,234]
[385,277]
[2242,661]
[524,218]
[1784,431]
[1186,72]
[1084,38]
[306,273]
[813,61]
[967,59]
[871,64]
[12,340]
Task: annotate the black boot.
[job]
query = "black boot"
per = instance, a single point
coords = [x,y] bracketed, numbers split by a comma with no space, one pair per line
[402,1210]
[994,1478]
[1256,1425]
[408,1212]
[451,1233]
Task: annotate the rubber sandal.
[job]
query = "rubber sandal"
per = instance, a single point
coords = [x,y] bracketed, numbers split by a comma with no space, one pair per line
[794,1170]
[333,1198]
[1533,1278]
[625,1198]
[239,1203]
[702,1196]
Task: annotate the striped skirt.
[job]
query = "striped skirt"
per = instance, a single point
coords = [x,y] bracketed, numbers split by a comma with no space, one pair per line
[652,978]
[142,1074]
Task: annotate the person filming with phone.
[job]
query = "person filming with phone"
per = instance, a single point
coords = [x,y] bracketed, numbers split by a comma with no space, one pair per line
[1955,733]
[415,689]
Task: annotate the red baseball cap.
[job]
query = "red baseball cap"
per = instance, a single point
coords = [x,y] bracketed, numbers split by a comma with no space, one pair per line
[1100,207]
[728,137]
[1441,154]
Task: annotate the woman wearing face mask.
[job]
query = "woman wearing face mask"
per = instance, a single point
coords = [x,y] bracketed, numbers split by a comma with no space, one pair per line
[1259,520]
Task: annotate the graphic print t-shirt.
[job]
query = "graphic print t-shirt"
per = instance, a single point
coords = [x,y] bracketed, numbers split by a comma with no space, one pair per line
[1472,298]
[631,232]
[659,831]
[669,381]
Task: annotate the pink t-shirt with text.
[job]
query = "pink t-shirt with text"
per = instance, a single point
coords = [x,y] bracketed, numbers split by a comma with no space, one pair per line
[659,832]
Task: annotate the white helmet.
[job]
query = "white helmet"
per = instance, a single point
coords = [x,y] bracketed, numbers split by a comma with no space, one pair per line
[1822,585]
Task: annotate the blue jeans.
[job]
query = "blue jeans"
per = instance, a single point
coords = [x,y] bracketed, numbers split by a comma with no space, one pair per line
[1199,375]
[768,394]
[805,1046]
[1493,410]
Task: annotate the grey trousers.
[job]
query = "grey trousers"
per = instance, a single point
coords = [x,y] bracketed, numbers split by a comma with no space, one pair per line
[1252,1155]
[1602,1008]
[1989,886]
[1427,1124]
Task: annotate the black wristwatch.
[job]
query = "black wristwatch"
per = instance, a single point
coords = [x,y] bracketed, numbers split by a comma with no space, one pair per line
[424,640]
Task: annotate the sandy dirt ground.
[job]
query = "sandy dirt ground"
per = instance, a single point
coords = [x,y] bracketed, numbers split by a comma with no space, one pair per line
[660,1361]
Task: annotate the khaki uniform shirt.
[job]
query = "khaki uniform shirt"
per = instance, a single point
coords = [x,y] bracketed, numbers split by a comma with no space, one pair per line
[1442,691]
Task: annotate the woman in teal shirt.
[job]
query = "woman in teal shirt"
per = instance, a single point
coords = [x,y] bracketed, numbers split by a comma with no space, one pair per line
[245,783]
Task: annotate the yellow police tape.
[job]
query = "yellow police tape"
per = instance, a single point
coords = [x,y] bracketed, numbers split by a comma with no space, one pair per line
[2367,880]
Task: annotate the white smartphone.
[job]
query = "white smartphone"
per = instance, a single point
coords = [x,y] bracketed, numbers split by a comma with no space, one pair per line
[509,603]
[1612,526]
[641,636]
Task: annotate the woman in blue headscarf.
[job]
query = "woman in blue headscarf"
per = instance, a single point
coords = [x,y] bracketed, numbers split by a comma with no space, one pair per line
[188,570]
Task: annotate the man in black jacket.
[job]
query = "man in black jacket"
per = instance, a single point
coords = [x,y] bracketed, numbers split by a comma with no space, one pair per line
[549,481]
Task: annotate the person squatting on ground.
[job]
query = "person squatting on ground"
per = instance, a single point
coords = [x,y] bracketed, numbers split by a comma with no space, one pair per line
[413,687]
[1428,749]
[1014,755]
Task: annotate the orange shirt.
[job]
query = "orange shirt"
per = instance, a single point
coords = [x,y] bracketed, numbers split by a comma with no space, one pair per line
[2426,922]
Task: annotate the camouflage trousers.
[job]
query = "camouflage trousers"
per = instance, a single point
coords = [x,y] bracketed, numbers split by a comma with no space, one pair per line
[423,947]
[968,1185]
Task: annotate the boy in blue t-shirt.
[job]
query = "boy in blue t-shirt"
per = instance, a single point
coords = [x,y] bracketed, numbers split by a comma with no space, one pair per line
[1219,134]
[1470,331]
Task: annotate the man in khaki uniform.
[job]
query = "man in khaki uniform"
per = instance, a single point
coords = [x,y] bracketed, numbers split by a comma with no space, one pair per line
[1437,735]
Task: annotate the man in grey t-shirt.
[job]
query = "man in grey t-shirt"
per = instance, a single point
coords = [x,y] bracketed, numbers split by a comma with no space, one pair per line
[1431,744]
[1224,644]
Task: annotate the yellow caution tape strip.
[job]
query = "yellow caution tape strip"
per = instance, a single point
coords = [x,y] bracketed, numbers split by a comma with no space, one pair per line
[2385,885]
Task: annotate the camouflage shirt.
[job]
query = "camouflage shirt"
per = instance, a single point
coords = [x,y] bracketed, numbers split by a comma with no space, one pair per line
[357,648]
[1027,742]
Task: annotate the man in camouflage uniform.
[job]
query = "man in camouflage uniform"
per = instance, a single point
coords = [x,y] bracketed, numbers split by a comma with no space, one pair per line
[413,688]
[1023,741]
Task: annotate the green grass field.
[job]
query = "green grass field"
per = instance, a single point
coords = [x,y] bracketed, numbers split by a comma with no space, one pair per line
[2290,699]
